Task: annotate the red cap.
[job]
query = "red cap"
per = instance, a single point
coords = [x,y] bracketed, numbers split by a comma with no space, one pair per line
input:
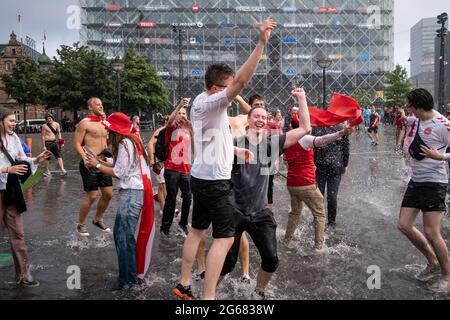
[119,123]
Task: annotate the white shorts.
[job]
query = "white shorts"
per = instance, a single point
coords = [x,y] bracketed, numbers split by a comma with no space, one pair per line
[160,177]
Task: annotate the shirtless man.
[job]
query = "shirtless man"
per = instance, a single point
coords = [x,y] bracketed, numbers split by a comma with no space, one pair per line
[51,135]
[92,135]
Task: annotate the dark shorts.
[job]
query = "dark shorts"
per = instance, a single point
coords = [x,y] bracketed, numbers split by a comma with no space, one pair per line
[93,179]
[213,203]
[262,228]
[373,130]
[428,197]
[53,147]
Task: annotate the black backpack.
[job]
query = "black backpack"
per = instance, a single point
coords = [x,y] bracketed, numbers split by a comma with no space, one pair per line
[161,145]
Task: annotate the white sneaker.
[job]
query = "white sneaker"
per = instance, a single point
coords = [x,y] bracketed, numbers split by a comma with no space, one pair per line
[48,174]
[82,230]
[321,249]
[428,273]
[441,286]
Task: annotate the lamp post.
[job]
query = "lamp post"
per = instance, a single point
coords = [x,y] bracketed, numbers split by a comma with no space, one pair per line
[180,32]
[118,67]
[441,33]
[324,64]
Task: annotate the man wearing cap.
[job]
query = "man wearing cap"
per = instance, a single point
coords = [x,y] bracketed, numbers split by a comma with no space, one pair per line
[50,132]
[91,135]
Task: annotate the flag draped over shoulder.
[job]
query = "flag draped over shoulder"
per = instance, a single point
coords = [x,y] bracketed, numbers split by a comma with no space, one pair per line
[342,108]
[146,233]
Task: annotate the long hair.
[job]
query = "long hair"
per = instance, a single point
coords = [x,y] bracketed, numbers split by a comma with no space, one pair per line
[4,113]
[115,139]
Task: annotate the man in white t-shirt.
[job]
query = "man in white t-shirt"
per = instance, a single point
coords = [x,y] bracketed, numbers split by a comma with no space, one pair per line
[211,171]
[427,188]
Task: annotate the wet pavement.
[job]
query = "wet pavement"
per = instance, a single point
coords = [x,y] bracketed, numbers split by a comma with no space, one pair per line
[366,235]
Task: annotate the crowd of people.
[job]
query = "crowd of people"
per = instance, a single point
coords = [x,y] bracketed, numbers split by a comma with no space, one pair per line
[223,167]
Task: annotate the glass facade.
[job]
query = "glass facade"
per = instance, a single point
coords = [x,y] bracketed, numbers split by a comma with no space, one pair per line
[356,35]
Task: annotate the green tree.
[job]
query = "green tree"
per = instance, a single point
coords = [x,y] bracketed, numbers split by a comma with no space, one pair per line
[142,89]
[80,74]
[363,97]
[24,85]
[397,86]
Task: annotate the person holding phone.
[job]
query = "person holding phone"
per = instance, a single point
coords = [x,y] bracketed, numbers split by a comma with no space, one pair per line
[10,216]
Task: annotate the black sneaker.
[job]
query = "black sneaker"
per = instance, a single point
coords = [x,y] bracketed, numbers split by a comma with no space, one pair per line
[101,226]
[199,276]
[184,293]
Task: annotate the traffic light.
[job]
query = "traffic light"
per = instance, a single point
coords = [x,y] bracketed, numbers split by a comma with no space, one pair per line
[441,33]
[443,18]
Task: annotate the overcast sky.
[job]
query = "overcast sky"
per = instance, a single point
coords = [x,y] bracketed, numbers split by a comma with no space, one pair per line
[50,15]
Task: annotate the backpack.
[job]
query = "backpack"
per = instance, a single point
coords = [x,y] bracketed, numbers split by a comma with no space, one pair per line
[162,142]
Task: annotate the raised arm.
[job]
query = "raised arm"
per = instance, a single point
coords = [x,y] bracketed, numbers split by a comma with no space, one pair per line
[333,137]
[244,105]
[246,72]
[184,103]
[293,136]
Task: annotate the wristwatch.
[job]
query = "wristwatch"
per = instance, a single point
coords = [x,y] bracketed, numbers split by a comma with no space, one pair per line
[97,166]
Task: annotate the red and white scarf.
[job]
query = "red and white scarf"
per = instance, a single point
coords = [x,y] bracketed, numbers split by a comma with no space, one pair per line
[146,233]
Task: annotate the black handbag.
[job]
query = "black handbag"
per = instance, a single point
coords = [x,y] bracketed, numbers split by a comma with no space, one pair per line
[13,192]
[415,147]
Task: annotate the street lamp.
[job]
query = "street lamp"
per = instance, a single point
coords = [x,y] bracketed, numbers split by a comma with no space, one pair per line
[180,32]
[441,33]
[118,67]
[324,64]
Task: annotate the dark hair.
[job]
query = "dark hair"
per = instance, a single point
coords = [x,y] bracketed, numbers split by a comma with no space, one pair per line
[253,98]
[115,139]
[253,109]
[4,112]
[49,115]
[421,99]
[216,74]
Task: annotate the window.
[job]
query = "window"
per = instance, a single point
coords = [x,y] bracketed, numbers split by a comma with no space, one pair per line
[8,66]
[14,51]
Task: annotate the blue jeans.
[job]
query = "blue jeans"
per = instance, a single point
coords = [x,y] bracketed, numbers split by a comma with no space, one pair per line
[131,202]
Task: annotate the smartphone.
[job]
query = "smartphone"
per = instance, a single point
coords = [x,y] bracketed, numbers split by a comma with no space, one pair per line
[88,151]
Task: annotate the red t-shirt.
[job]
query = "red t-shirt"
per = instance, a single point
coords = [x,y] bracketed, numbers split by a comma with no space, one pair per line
[275,129]
[301,167]
[178,153]
[400,122]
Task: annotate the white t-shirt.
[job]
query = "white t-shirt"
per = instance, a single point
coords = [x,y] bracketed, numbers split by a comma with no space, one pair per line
[214,151]
[435,133]
[126,168]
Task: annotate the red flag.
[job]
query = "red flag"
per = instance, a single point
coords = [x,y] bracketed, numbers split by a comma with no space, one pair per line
[342,108]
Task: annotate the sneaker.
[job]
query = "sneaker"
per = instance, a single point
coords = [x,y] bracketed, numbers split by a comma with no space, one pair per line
[245,279]
[183,230]
[199,276]
[63,174]
[101,226]
[29,283]
[184,293]
[259,295]
[441,286]
[320,249]
[48,174]
[82,230]
[428,273]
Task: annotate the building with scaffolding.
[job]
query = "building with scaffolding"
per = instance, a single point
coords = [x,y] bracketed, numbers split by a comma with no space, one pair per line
[180,38]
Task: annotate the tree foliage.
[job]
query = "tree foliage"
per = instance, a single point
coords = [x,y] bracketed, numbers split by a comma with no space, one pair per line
[142,89]
[363,97]
[397,86]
